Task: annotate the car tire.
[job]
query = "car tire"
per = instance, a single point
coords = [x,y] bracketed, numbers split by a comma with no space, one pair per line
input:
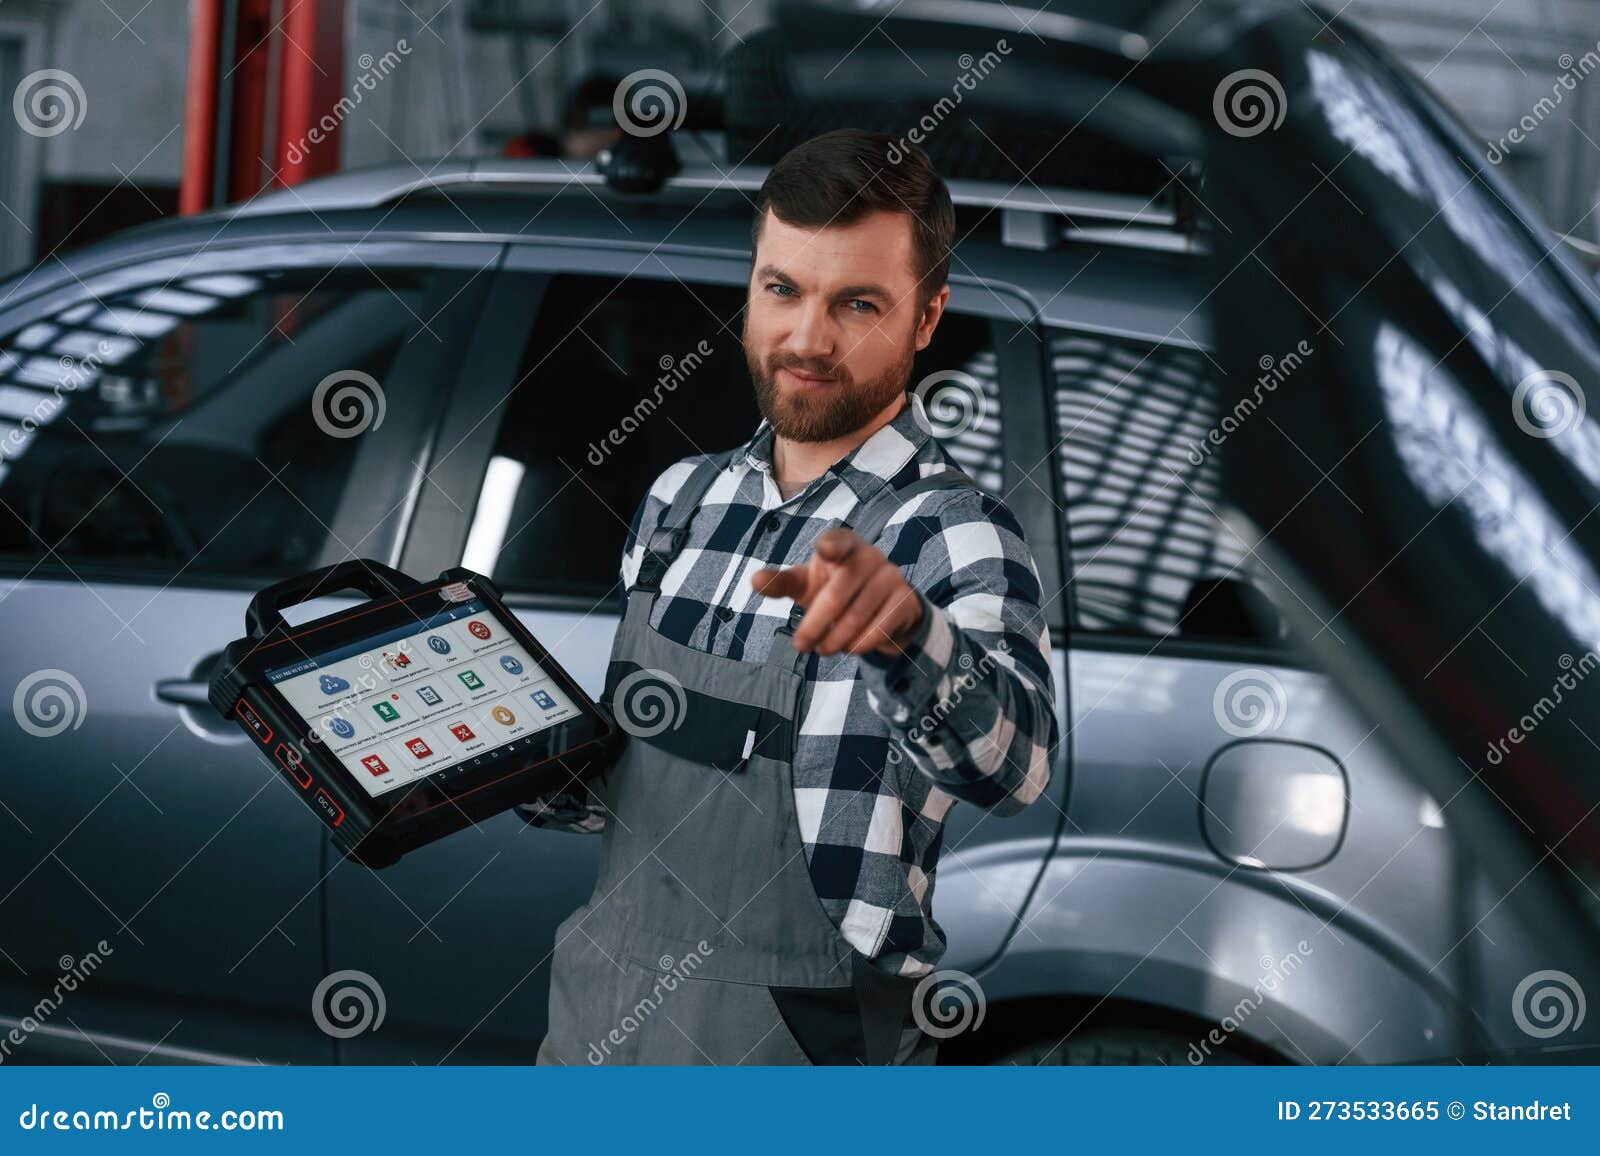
[1120,1046]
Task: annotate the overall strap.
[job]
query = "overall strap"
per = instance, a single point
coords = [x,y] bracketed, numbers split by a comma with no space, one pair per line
[871,516]
[868,519]
[666,541]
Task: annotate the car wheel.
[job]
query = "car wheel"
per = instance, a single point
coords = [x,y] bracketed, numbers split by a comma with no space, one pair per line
[1122,1046]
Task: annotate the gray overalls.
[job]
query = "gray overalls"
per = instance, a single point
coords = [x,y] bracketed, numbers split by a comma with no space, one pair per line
[704,941]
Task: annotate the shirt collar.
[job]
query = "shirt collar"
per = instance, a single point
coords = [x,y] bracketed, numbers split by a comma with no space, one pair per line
[872,463]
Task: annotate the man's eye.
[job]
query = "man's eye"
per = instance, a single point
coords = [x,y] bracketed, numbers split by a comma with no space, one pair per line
[780,290]
[866,306]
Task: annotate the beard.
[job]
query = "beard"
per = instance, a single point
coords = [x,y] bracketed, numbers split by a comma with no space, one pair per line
[833,411]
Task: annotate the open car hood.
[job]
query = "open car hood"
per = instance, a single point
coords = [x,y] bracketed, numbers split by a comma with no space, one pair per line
[1421,484]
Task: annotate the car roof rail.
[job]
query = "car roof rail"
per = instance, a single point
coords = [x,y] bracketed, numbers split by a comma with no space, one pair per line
[1032,217]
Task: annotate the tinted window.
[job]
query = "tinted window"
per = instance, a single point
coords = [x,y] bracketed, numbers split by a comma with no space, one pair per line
[620,380]
[171,428]
[958,379]
[1149,554]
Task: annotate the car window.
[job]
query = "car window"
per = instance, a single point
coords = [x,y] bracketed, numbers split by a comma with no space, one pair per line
[618,380]
[958,379]
[622,378]
[1140,472]
[179,428]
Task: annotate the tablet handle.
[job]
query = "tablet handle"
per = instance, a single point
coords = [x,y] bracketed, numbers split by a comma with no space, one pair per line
[373,579]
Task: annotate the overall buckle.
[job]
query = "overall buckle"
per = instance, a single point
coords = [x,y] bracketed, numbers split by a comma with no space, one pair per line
[663,547]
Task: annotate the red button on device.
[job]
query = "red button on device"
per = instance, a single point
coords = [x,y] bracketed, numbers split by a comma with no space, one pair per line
[330,810]
[290,761]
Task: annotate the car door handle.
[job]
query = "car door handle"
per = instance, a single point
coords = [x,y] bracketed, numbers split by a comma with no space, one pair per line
[190,695]
[183,692]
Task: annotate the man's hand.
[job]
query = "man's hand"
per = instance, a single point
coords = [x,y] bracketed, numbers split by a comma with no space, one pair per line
[855,599]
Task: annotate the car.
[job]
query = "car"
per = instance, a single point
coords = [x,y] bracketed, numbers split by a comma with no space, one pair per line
[486,363]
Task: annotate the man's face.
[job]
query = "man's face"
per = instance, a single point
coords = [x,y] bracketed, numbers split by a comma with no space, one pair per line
[834,319]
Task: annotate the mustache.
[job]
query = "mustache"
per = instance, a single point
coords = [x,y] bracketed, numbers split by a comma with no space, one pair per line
[779,361]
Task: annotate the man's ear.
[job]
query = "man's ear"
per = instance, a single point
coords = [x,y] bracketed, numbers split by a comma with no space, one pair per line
[931,312]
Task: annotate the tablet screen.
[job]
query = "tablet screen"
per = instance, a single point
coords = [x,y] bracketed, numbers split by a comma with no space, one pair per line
[416,699]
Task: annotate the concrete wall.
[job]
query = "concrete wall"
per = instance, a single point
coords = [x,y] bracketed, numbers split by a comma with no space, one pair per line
[132,64]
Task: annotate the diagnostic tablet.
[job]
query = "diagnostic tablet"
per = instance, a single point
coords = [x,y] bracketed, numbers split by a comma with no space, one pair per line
[409,716]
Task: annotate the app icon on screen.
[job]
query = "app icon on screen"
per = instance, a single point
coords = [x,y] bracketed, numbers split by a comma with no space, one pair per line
[542,697]
[386,711]
[510,664]
[503,716]
[332,684]
[462,732]
[341,728]
[419,747]
[478,629]
[428,695]
[396,662]
[438,644]
[376,765]
[470,680]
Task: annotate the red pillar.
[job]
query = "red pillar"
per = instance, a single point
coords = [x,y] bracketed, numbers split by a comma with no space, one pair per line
[226,105]
[310,86]
[200,105]
[249,163]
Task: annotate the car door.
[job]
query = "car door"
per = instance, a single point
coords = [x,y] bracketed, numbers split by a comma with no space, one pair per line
[618,371]
[1222,789]
[179,431]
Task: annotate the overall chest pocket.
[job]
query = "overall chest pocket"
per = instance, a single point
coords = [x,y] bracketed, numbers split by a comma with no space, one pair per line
[698,725]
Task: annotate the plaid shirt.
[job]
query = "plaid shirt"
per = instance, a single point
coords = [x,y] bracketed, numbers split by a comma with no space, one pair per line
[885,744]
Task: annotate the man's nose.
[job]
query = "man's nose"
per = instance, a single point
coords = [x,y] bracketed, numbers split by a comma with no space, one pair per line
[813,333]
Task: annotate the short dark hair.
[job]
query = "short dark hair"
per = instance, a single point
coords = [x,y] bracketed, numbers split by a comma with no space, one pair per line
[841,176]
